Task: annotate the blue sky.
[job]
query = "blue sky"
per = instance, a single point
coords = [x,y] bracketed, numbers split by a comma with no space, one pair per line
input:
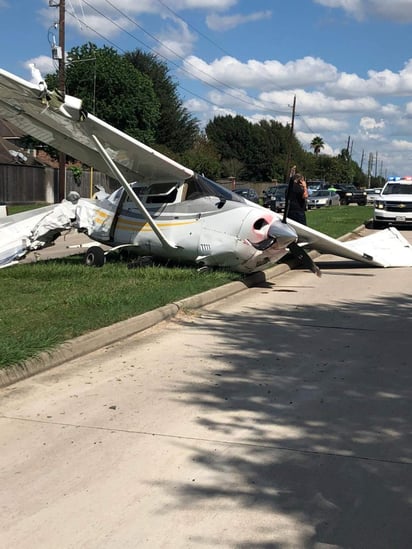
[348,62]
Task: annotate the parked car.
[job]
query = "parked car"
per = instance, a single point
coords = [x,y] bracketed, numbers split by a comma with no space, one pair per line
[317,199]
[316,185]
[249,194]
[274,197]
[349,194]
[372,195]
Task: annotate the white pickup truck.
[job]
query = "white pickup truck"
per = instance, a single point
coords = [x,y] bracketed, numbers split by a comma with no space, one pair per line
[394,204]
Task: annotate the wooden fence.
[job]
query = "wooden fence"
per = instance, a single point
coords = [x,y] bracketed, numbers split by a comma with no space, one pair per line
[37,184]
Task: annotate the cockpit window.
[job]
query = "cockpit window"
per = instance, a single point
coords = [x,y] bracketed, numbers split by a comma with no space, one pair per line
[161,193]
[198,186]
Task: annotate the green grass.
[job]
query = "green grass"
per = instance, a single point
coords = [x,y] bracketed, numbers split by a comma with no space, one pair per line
[43,304]
[11,210]
[338,220]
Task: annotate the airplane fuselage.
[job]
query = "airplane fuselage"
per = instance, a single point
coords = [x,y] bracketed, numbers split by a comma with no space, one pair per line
[205,230]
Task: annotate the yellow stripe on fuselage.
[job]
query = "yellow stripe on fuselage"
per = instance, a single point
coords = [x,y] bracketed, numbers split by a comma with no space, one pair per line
[101,216]
[126,224]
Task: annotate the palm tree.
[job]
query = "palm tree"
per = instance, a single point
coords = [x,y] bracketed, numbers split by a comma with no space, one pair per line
[317,144]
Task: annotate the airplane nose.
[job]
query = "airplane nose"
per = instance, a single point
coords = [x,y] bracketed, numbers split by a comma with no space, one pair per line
[282,233]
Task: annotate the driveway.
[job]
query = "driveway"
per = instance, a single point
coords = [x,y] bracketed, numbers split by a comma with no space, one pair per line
[277,418]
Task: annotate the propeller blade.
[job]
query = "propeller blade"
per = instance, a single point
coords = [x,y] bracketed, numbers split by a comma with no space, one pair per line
[304,258]
[287,193]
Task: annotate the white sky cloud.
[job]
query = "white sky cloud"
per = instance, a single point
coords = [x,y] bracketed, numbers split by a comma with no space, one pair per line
[43,63]
[226,22]
[262,74]
[394,10]
[368,123]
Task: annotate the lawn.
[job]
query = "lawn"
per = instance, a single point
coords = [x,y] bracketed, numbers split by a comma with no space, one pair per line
[45,303]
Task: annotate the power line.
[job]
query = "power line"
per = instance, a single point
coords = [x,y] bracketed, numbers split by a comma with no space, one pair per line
[225,85]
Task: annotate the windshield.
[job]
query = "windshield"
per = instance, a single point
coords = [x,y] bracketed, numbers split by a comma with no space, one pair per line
[320,193]
[199,186]
[398,188]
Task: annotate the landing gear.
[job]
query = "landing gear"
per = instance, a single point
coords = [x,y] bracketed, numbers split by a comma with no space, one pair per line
[95,257]
[143,261]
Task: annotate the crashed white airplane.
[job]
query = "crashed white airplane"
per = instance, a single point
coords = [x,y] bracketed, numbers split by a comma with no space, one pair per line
[162,209]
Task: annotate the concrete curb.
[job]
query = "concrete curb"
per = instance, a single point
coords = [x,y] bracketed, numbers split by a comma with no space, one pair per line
[97,339]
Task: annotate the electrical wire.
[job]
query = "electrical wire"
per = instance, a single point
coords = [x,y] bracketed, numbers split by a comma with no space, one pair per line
[180,68]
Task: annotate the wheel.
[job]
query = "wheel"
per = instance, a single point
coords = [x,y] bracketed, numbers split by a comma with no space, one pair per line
[344,202]
[95,257]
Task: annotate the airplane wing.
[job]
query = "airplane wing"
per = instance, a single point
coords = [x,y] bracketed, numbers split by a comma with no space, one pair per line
[387,248]
[64,125]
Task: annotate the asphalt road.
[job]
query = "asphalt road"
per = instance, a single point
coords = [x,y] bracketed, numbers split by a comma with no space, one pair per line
[277,418]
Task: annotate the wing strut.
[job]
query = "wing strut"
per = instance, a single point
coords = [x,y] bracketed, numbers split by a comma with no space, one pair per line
[133,196]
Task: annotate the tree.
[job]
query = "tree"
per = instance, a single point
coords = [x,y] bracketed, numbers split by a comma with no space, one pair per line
[114,89]
[317,144]
[176,129]
[202,158]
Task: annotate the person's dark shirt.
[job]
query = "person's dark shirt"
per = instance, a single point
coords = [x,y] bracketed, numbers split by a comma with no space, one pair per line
[297,200]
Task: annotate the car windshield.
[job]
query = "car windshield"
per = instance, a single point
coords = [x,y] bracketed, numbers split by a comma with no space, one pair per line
[277,189]
[398,188]
[320,193]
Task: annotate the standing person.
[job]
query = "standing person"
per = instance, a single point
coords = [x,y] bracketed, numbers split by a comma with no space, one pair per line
[296,197]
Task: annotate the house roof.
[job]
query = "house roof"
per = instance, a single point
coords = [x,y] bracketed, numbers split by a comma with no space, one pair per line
[12,153]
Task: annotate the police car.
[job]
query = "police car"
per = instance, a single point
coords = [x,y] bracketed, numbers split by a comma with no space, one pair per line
[394,204]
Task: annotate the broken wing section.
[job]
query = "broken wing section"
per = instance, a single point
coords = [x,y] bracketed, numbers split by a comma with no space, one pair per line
[387,248]
[29,231]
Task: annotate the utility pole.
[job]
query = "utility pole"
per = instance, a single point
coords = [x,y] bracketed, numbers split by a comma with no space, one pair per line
[62,88]
[347,146]
[370,166]
[59,55]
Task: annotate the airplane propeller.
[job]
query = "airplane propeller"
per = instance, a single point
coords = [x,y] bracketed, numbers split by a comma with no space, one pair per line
[282,234]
